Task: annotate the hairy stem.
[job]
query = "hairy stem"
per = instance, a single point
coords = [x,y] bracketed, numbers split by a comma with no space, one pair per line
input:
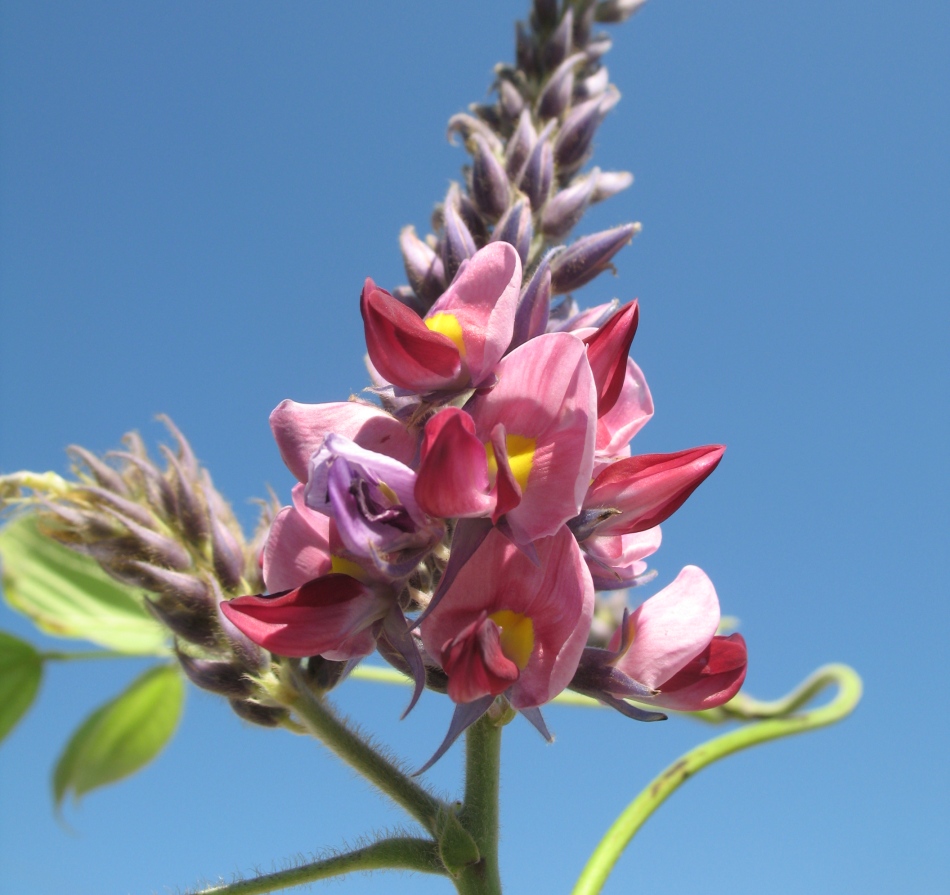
[479,813]
[608,851]
[320,719]
[404,853]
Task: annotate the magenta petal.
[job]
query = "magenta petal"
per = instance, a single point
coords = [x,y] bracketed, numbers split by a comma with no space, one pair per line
[711,679]
[607,352]
[402,348]
[323,617]
[297,549]
[300,429]
[453,469]
[671,628]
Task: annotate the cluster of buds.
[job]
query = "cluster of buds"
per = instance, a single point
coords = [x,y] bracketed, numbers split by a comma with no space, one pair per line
[525,185]
[170,534]
[462,525]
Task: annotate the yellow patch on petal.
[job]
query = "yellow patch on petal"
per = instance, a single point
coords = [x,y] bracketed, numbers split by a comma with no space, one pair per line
[344,566]
[520,458]
[516,634]
[447,325]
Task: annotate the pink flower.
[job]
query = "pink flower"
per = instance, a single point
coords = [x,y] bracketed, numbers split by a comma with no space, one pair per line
[673,647]
[527,451]
[607,350]
[630,413]
[462,337]
[617,561]
[507,625]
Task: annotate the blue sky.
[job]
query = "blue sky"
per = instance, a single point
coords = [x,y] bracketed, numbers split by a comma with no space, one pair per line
[190,198]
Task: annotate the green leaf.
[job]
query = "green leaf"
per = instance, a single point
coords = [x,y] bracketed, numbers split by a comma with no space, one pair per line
[66,594]
[21,669]
[122,736]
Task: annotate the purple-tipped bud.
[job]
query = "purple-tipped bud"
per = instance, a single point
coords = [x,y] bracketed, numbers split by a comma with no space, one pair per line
[175,587]
[525,50]
[488,113]
[598,47]
[153,546]
[145,478]
[467,126]
[585,259]
[186,456]
[457,242]
[544,14]
[227,555]
[560,43]
[609,183]
[218,677]
[248,653]
[423,266]
[104,474]
[519,147]
[556,95]
[611,12]
[511,100]
[262,715]
[92,495]
[82,527]
[515,228]
[593,85]
[489,180]
[539,170]
[575,136]
[473,219]
[531,318]
[582,26]
[192,515]
[322,675]
[567,207]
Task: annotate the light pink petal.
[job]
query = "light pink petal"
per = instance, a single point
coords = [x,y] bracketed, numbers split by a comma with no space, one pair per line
[297,549]
[484,298]
[671,628]
[546,392]
[299,430]
[628,416]
[616,560]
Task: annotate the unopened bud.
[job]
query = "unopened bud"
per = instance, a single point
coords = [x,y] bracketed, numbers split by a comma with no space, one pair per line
[489,180]
[256,713]
[467,126]
[192,514]
[519,147]
[511,100]
[93,496]
[577,133]
[322,675]
[567,207]
[531,317]
[525,50]
[216,676]
[193,627]
[457,242]
[423,266]
[185,454]
[146,479]
[593,85]
[177,588]
[611,12]
[227,555]
[609,183]
[515,228]
[560,43]
[544,14]
[248,653]
[539,170]
[589,256]
[556,95]
[152,545]
[104,474]
[582,25]
[598,47]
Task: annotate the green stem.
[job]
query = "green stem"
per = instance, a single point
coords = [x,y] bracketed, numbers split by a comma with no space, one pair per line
[404,853]
[76,655]
[617,838]
[320,719]
[479,814]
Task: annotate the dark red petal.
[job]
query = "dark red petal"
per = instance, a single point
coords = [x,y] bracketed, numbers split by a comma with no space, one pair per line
[607,351]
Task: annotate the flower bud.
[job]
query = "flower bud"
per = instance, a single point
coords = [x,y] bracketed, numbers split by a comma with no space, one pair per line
[227,555]
[525,50]
[467,126]
[511,100]
[216,676]
[589,256]
[567,207]
[104,474]
[322,675]
[193,627]
[176,587]
[539,170]
[153,546]
[423,266]
[609,183]
[556,95]
[598,47]
[577,133]
[531,318]
[593,85]
[560,43]
[256,713]
[519,147]
[457,242]
[94,496]
[489,180]
[544,14]
[191,514]
[612,12]
[146,479]
[515,228]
